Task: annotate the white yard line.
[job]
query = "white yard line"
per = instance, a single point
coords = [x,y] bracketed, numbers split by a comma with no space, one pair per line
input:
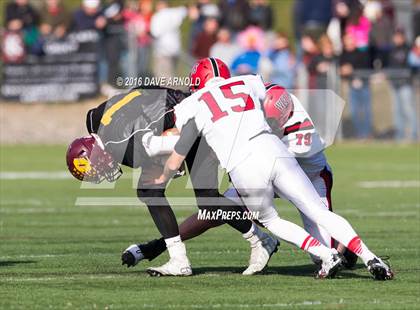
[192,252]
[35,175]
[22,202]
[78,277]
[247,306]
[65,175]
[390,184]
[43,175]
[325,305]
[401,167]
[104,204]
[33,256]
[180,203]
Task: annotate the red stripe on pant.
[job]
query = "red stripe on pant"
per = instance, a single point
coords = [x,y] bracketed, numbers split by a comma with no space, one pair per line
[326,175]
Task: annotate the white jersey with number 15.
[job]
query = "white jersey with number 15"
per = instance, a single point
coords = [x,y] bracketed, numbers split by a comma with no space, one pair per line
[228,113]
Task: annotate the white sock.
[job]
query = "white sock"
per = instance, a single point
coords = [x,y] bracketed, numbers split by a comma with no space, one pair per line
[316,248]
[253,235]
[296,235]
[176,248]
[358,247]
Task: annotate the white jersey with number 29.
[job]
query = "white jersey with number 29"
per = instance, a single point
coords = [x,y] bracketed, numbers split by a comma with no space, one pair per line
[228,113]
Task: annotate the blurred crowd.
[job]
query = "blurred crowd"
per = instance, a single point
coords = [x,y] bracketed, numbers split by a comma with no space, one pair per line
[333,41]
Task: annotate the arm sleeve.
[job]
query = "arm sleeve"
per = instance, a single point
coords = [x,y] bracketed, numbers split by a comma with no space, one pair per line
[158,145]
[184,111]
[189,134]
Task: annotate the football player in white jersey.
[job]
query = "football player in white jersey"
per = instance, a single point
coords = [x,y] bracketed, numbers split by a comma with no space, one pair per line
[228,113]
[289,120]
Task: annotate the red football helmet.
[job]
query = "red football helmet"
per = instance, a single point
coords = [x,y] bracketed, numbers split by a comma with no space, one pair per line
[206,69]
[278,104]
[88,161]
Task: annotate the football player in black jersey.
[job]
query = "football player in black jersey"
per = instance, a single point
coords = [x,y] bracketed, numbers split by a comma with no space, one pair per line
[127,130]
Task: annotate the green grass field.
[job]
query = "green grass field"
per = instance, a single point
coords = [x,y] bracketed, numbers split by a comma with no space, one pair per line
[54,254]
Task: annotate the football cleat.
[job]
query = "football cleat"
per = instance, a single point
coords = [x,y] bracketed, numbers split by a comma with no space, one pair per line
[330,267]
[174,267]
[261,254]
[380,270]
[131,256]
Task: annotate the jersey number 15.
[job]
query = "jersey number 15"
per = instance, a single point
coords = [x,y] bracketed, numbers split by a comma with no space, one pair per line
[227,92]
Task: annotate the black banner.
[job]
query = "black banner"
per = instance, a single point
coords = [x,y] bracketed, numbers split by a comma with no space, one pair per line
[67,70]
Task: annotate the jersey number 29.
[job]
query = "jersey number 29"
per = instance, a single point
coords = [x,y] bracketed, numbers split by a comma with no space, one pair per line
[227,92]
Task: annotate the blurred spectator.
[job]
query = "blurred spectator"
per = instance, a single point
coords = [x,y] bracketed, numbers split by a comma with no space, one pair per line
[88,16]
[261,14]
[416,18]
[380,34]
[22,17]
[246,63]
[234,15]
[323,74]
[283,62]
[252,38]
[353,61]
[414,56]
[358,28]
[114,38]
[313,16]
[224,48]
[206,38]
[55,19]
[297,28]
[342,9]
[405,116]
[198,13]
[310,51]
[165,28]
[137,18]
[323,64]
[252,41]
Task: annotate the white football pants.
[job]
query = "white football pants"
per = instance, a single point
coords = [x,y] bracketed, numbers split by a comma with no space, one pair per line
[270,168]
